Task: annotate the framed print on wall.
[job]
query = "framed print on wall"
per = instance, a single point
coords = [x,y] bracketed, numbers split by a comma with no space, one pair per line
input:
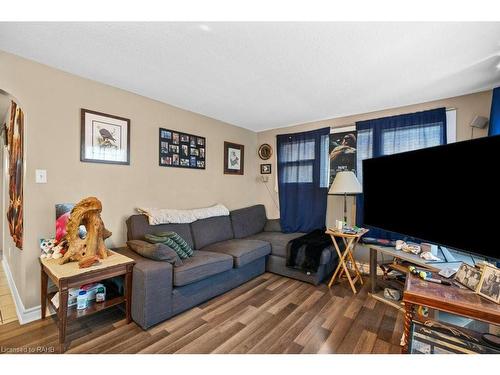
[181,150]
[265,169]
[234,158]
[104,138]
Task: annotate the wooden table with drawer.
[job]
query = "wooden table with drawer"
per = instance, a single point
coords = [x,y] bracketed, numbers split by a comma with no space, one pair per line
[450,299]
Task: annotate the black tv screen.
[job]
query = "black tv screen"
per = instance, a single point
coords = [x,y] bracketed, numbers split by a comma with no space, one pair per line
[447,195]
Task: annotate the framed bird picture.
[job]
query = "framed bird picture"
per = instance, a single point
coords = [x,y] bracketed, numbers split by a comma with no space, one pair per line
[104,138]
[234,158]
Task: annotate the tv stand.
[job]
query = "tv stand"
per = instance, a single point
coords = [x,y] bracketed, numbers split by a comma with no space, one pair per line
[390,252]
[447,255]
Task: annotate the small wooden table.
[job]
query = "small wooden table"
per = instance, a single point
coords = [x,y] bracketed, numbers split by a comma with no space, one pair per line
[70,276]
[350,242]
[450,299]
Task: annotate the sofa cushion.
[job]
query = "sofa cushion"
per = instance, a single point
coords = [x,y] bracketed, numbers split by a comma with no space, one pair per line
[278,241]
[273,225]
[200,266]
[156,251]
[243,251]
[211,230]
[248,221]
[138,226]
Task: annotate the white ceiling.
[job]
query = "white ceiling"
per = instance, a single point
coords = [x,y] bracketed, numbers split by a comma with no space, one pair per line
[268,75]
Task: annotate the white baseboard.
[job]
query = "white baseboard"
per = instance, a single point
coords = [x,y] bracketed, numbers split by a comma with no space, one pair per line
[23,315]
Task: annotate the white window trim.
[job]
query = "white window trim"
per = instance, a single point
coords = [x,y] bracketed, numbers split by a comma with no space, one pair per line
[451,125]
[342,129]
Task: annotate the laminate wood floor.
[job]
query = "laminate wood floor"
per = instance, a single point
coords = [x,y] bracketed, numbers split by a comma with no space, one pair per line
[269,314]
[7,307]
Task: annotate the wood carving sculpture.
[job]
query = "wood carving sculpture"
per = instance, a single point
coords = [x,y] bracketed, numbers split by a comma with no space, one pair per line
[86,251]
[15,142]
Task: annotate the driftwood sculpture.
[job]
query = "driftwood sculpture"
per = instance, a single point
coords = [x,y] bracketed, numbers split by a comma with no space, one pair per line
[86,251]
[15,131]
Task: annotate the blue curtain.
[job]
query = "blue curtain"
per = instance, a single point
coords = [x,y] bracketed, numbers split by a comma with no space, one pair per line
[390,135]
[303,180]
[495,113]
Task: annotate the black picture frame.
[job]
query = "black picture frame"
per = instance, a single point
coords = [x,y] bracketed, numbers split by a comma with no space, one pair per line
[179,149]
[265,168]
[83,136]
[240,170]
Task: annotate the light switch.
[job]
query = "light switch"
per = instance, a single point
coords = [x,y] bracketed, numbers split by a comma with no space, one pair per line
[41,176]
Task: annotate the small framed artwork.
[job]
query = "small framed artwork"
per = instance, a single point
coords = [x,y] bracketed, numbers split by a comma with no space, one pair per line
[181,150]
[489,286]
[468,276]
[234,158]
[265,169]
[104,138]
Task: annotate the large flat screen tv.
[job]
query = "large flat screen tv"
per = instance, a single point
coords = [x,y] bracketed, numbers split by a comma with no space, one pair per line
[447,195]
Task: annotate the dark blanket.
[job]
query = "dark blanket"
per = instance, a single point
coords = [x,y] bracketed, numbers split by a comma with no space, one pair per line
[304,253]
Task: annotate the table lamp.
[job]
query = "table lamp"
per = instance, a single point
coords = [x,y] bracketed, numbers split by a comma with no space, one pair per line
[345,182]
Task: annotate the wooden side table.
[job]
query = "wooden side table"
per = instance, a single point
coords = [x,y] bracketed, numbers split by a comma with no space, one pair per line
[350,242]
[450,299]
[70,276]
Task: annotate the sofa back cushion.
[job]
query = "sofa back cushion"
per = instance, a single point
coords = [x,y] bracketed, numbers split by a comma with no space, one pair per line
[211,230]
[138,226]
[248,221]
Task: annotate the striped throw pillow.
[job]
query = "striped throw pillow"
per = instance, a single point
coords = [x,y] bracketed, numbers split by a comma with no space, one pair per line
[169,242]
[179,240]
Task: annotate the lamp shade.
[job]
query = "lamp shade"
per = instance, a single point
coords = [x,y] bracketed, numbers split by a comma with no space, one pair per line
[345,182]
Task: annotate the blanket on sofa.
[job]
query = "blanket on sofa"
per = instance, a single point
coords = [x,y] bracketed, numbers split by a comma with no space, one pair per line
[304,253]
[158,216]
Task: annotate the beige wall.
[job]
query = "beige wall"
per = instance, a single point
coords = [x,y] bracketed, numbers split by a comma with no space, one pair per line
[4,119]
[467,107]
[51,100]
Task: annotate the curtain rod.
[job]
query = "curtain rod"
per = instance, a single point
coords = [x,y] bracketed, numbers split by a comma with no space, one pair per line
[351,125]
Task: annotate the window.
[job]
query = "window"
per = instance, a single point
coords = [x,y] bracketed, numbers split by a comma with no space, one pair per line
[410,138]
[324,181]
[297,161]
[364,150]
[395,134]
[303,179]
[393,140]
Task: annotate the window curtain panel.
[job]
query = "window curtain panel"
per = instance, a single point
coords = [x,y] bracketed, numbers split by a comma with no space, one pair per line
[494,128]
[302,183]
[391,135]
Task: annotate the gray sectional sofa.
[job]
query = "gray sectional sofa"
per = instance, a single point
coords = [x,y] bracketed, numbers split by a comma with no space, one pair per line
[229,251]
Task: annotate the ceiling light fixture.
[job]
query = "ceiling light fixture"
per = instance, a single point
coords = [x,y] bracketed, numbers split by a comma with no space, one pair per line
[205,27]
